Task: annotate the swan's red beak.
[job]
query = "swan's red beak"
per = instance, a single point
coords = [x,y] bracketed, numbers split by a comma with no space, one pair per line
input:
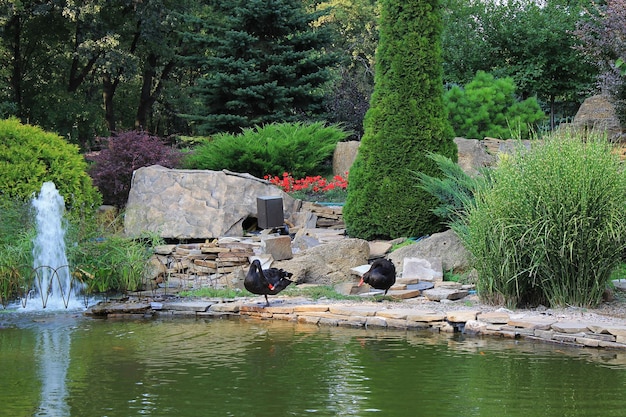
[270,286]
[361,282]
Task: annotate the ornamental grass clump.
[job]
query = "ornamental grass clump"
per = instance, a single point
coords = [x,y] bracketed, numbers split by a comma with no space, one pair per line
[550,226]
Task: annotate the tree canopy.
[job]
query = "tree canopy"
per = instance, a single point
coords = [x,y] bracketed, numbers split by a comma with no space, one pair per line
[91,68]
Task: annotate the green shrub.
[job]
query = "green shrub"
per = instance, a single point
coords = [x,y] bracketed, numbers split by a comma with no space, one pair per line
[30,156]
[112,263]
[487,107]
[16,247]
[454,190]
[298,148]
[551,227]
[406,121]
[124,153]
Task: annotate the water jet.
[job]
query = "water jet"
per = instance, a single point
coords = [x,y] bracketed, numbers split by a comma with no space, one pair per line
[52,278]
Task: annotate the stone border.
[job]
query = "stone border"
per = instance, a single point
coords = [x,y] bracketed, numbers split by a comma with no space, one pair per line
[578,333]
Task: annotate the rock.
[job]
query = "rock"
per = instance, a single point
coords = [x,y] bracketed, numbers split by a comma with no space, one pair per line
[473,155]
[496,146]
[445,245]
[439,294]
[350,288]
[620,284]
[327,264]
[570,327]
[196,204]
[344,156]
[461,316]
[278,246]
[598,113]
[378,249]
[422,269]
[494,317]
[164,249]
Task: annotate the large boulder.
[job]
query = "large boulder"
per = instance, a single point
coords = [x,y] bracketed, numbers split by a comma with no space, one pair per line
[196,204]
[473,155]
[344,156]
[445,245]
[327,264]
[598,113]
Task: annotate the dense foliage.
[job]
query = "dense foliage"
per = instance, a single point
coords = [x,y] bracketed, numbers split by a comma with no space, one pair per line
[455,189]
[487,107]
[125,152]
[265,67]
[603,36]
[550,226]
[406,120]
[29,156]
[356,29]
[91,68]
[533,42]
[301,149]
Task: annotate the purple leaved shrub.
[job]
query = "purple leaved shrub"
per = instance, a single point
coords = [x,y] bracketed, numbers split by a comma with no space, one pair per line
[121,155]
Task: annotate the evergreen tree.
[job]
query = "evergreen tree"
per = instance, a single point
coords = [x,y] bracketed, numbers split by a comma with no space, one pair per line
[406,121]
[266,64]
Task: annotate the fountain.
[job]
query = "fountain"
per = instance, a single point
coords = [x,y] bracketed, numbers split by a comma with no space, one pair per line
[52,278]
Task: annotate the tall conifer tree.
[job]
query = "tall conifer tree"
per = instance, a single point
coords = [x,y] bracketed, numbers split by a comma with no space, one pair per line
[406,121]
[266,64]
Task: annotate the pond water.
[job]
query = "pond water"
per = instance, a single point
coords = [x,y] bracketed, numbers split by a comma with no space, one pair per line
[65,364]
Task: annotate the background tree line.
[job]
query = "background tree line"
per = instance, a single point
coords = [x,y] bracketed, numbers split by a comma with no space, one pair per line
[193,67]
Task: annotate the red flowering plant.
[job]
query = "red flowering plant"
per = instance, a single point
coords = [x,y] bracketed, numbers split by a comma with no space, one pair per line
[315,188]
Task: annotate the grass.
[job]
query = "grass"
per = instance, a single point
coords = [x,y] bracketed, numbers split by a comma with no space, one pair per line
[216,293]
[315,292]
[619,272]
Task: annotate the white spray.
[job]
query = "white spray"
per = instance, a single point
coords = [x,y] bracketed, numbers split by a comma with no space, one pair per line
[53,281]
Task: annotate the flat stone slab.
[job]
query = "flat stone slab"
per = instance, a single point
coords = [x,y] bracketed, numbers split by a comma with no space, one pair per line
[164,249]
[531,323]
[570,327]
[425,316]
[310,307]
[399,313]
[404,294]
[103,309]
[225,308]
[199,306]
[494,317]
[407,281]
[353,310]
[438,294]
[617,330]
[461,316]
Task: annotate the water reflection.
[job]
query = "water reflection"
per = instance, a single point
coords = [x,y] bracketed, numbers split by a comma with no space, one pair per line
[245,368]
[52,353]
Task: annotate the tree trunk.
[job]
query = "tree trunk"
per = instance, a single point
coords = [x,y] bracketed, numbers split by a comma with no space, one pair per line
[149,96]
[108,91]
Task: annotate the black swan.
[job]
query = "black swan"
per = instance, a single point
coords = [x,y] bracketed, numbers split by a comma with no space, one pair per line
[381,275]
[266,281]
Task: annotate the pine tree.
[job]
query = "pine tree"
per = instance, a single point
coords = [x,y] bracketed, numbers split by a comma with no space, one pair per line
[266,64]
[406,121]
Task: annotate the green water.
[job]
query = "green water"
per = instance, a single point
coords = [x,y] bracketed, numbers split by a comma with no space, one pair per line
[67,365]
